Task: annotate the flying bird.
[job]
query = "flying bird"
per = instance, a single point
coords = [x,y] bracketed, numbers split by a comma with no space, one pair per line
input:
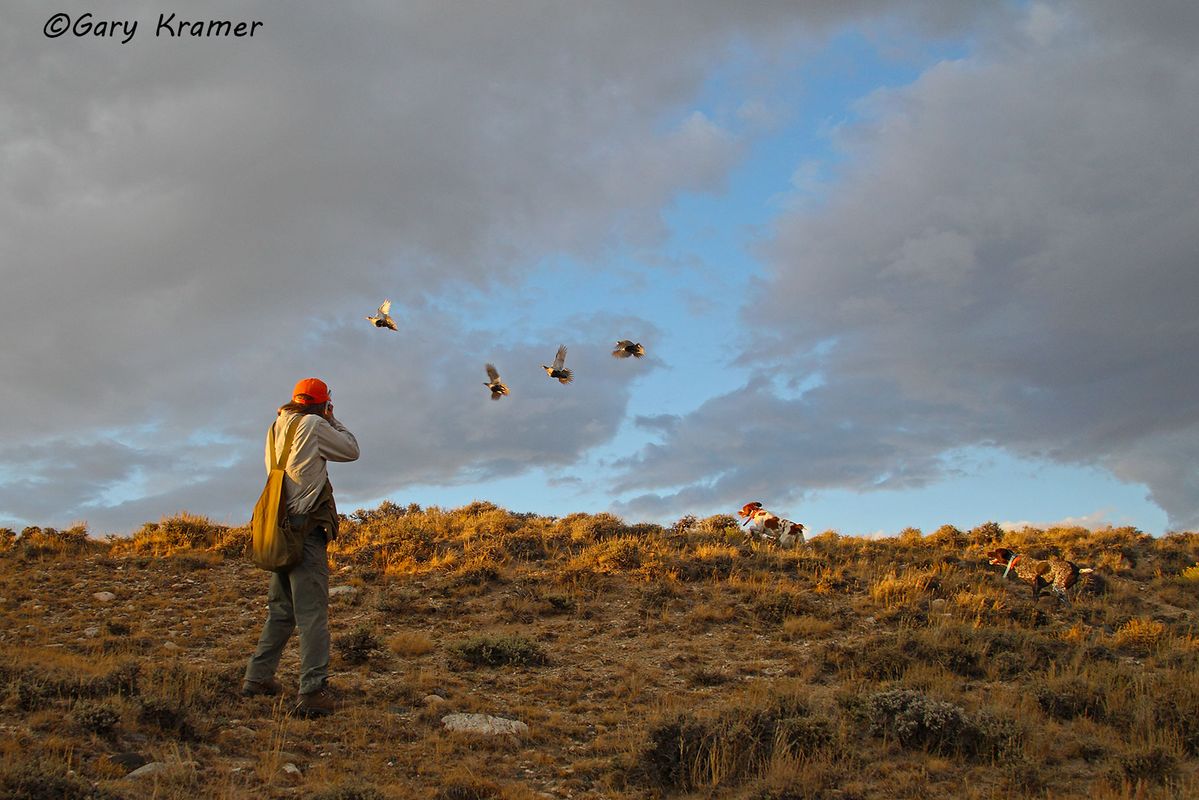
[558,370]
[383,318]
[625,348]
[498,389]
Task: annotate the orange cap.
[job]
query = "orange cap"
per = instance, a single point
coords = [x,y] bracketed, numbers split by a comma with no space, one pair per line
[314,388]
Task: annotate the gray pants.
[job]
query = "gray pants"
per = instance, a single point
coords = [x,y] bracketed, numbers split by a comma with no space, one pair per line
[298,597]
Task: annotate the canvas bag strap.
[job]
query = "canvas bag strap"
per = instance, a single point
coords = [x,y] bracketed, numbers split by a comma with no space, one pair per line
[287,439]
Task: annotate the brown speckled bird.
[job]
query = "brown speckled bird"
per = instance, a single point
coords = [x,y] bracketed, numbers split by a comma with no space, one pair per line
[498,389]
[1056,573]
[626,348]
[383,319]
[558,370]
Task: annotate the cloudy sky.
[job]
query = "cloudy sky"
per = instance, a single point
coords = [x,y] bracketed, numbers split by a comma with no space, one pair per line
[895,263]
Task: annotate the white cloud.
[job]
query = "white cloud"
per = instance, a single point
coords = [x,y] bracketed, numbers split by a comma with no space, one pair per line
[1008,260]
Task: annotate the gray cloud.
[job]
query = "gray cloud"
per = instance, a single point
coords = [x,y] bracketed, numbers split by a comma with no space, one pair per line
[1007,259]
[185,226]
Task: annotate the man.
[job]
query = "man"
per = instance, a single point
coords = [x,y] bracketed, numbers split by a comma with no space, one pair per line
[300,596]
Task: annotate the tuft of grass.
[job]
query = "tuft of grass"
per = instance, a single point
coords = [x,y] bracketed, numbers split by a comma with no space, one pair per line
[1139,636]
[697,751]
[348,791]
[896,590]
[500,651]
[806,626]
[410,644]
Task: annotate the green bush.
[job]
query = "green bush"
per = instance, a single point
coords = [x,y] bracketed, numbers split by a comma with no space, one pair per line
[499,651]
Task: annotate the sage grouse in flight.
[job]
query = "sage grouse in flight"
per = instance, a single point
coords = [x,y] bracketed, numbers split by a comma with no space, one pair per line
[383,318]
[625,348]
[498,389]
[558,371]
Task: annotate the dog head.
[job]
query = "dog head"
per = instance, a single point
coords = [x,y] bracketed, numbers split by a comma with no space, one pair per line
[748,509]
[1000,556]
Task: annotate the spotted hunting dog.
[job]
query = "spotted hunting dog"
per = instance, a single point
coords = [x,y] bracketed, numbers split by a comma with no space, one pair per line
[1056,573]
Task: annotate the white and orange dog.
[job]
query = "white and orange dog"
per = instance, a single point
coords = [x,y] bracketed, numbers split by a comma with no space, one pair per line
[761,524]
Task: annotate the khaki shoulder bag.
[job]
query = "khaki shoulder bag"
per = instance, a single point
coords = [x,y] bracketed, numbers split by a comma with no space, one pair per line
[274,545]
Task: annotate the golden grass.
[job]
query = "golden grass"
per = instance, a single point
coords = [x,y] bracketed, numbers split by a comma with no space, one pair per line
[1140,636]
[647,662]
[409,644]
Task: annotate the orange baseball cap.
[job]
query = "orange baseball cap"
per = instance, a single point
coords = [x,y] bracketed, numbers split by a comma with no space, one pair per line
[312,387]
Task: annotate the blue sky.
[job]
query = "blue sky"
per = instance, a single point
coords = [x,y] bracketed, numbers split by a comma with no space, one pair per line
[884,278]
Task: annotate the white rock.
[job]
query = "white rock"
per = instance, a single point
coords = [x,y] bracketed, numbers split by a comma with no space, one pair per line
[340,590]
[91,632]
[483,724]
[150,770]
[292,771]
[433,700]
[105,597]
[171,646]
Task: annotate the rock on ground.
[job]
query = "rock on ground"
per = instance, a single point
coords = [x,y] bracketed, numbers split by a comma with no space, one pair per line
[483,724]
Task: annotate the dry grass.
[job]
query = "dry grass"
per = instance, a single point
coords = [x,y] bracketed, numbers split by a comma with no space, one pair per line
[647,662]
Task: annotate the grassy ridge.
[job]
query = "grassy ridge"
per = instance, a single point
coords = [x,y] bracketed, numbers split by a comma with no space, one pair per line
[647,662]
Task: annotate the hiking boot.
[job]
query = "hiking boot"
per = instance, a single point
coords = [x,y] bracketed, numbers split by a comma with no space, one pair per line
[316,704]
[270,686]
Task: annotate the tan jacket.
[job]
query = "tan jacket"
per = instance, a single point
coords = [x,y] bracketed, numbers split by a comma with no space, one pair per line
[317,441]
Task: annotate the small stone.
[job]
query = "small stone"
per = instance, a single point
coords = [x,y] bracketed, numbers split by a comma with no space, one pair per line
[483,724]
[150,770]
[337,591]
[938,604]
[433,700]
[105,597]
[171,646]
[91,632]
[291,771]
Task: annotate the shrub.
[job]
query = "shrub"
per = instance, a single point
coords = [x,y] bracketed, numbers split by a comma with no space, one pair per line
[499,651]
[1154,765]
[592,527]
[347,791]
[921,722]
[357,646]
[168,716]
[467,787]
[36,541]
[181,532]
[40,779]
[778,606]
[987,533]
[1071,698]
[525,547]
[687,752]
[948,536]
[98,718]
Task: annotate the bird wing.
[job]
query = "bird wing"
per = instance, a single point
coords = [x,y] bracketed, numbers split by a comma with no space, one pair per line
[560,358]
[385,309]
[492,373]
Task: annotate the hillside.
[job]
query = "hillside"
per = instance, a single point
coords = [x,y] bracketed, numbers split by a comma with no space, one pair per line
[646,662]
